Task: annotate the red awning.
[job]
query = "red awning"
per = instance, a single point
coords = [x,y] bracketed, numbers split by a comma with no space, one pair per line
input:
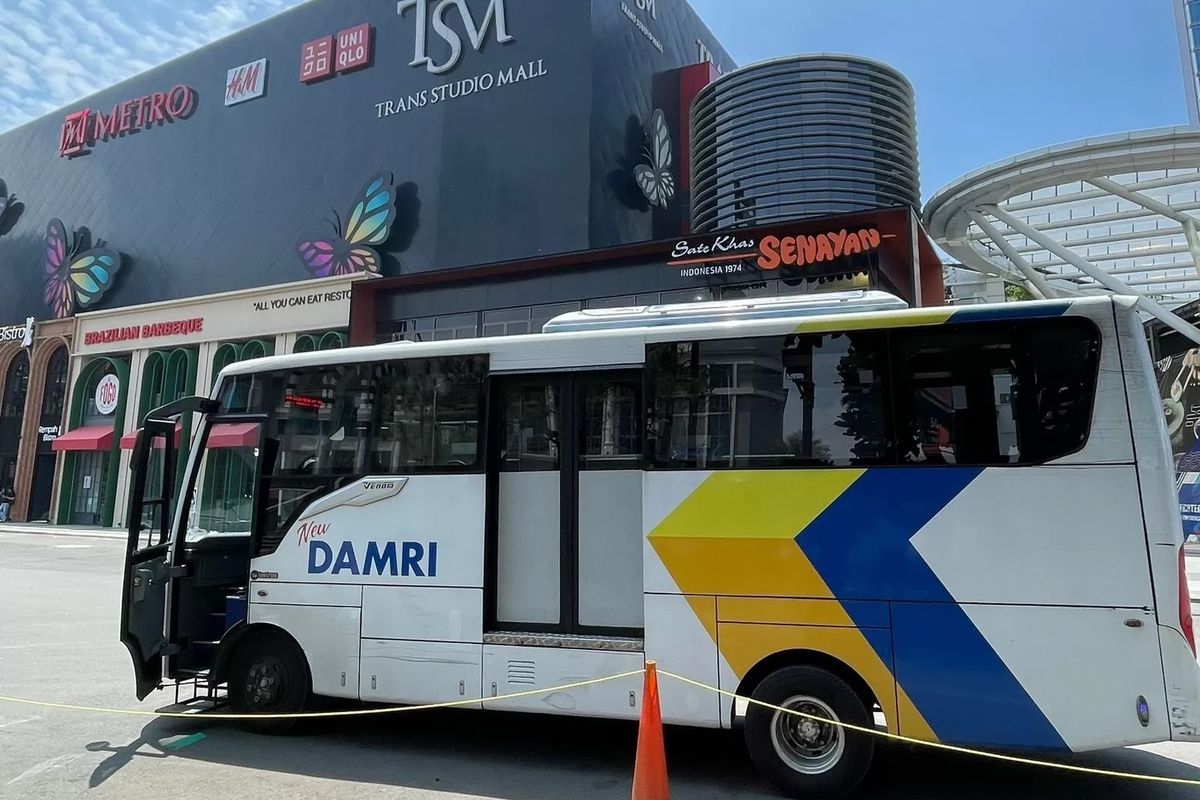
[234,434]
[130,439]
[92,437]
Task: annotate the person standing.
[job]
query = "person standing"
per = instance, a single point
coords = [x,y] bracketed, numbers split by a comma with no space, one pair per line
[6,500]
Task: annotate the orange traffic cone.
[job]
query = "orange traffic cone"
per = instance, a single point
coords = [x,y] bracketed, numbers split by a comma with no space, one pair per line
[650,767]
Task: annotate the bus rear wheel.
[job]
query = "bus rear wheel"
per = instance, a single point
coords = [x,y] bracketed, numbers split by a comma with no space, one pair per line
[268,675]
[807,754]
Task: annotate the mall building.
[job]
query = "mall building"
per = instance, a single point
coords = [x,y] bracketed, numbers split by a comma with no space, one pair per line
[352,171]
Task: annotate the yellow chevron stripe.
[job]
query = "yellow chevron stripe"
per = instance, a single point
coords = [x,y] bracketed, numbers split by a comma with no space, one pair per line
[769,504]
[878,319]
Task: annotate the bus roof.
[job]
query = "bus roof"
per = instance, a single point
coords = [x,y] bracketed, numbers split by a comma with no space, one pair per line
[625,346]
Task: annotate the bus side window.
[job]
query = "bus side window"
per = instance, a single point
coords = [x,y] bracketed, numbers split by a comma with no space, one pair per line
[985,394]
[812,400]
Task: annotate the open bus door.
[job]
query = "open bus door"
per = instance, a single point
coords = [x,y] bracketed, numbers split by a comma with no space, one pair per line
[147,579]
[147,552]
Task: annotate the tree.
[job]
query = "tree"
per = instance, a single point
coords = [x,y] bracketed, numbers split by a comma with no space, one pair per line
[1014,292]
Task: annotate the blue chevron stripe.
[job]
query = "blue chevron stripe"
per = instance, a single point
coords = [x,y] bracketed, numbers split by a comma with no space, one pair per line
[1010,311]
[861,547]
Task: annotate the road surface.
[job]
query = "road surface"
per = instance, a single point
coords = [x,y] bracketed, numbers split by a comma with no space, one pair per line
[59,597]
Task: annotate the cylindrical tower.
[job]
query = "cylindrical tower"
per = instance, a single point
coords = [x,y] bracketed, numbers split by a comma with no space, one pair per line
[802,136]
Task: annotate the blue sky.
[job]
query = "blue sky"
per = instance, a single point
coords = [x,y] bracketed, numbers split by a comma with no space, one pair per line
[993,77]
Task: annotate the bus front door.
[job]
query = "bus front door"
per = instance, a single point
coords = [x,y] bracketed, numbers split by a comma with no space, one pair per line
[147,575]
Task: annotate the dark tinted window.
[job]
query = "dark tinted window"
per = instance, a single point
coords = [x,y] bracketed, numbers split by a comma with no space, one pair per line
[812,400]
[1013,393]
[971,394]
[428,415]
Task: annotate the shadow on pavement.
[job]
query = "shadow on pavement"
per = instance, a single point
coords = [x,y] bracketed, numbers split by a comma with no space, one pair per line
[532,757]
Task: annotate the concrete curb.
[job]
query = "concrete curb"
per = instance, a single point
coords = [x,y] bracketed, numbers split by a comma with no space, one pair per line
[54,530]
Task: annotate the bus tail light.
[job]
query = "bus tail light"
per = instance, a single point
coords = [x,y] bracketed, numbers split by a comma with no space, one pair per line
[1185,604]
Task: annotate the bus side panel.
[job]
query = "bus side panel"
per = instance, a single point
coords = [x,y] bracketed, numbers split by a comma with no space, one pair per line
[681,636]
[518,669]
[327,635]
[420,672]
[734,534]
[1163,526]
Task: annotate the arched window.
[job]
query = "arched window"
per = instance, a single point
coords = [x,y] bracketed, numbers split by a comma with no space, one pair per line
[311,342]
[12,410]
[54,396]
[233,352]
[16,385]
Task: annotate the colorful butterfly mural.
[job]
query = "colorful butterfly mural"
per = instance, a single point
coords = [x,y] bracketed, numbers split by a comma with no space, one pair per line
[352,248]
[655,178]
[75,280]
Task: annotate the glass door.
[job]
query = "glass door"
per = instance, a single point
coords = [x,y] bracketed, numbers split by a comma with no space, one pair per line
[529,503]
[565,505]
[89,489]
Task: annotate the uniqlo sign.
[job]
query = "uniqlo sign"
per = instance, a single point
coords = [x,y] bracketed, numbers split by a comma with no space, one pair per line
[354,48]
[346,51]
[246,82]
[316,59]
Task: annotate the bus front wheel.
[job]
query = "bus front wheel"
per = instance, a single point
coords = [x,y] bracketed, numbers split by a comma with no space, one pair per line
[806,754]
[268,675]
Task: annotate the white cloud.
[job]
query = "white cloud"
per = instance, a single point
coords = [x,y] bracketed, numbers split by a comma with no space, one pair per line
[53,52]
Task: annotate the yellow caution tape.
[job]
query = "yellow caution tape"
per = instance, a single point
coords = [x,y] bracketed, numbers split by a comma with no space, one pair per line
[357,712]
[1032,762]
[1013,759]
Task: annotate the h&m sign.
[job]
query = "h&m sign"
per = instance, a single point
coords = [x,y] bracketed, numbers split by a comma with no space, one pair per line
[246,82]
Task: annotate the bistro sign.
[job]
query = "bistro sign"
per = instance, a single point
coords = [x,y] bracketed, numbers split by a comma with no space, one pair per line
[82,129]
[19,333]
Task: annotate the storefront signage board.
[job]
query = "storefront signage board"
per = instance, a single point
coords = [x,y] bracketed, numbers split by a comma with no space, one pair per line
[247,82]
[23,334]
[81,130]
[304,306]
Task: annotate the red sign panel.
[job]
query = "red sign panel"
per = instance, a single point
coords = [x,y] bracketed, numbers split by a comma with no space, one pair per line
[354,48]
[82,129]
[316,59]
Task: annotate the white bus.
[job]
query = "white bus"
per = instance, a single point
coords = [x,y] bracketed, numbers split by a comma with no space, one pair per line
[956,523]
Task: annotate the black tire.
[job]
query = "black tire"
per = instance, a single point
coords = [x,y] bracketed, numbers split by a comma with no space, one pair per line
[268,675]
[808,761]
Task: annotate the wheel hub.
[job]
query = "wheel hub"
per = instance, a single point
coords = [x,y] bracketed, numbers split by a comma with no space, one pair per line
[808,744]
[266,683]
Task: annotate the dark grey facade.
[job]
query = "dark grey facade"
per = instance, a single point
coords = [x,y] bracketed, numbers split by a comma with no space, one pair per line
[219,198]
[802,136]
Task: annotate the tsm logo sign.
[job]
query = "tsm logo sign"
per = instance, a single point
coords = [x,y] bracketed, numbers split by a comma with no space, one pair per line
[475,33]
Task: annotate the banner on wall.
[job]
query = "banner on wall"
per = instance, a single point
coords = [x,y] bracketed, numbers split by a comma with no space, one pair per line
[1179,387]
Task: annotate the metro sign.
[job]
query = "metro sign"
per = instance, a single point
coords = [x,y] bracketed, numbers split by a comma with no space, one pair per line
[82,129]
[246,82]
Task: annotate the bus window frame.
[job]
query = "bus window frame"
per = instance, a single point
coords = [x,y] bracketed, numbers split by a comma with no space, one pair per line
[195,459]
[1021,327]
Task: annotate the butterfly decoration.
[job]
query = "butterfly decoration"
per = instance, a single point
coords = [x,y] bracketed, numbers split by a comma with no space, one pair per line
[5,202]
[655,178]
[75,279]
[352,247]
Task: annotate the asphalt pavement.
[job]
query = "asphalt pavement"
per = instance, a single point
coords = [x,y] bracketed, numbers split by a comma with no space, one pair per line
[59,611]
